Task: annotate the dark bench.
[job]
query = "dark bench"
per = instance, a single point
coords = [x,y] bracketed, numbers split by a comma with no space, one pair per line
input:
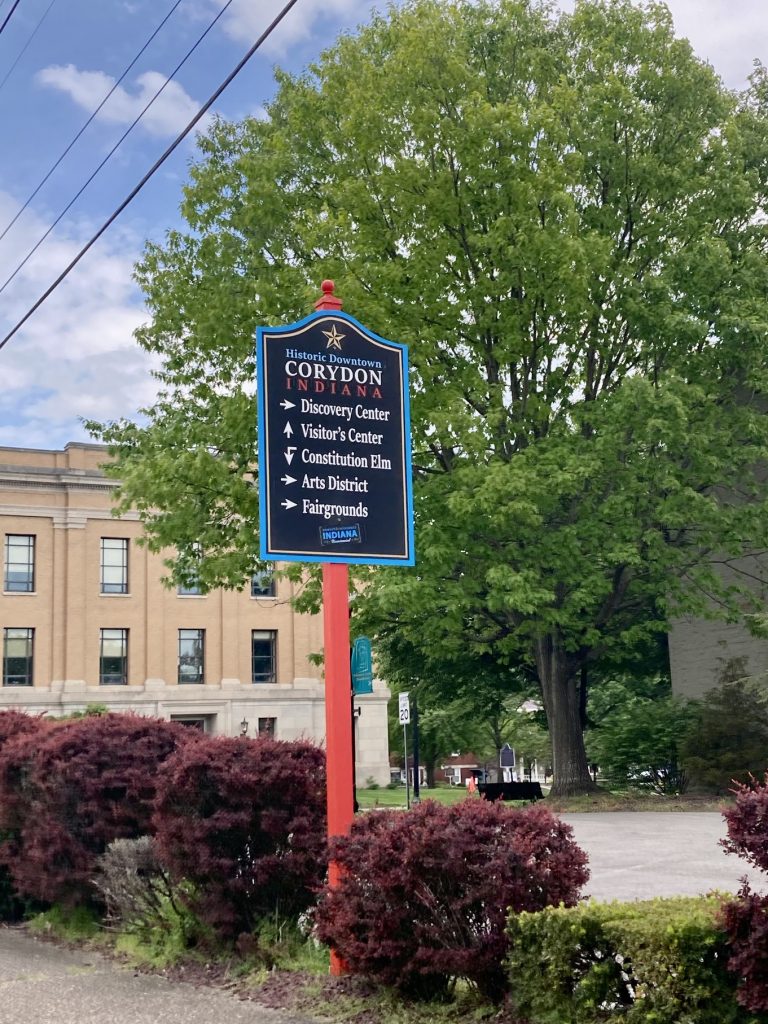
[510,790]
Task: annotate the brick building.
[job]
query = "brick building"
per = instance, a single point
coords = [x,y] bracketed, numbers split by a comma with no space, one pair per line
[86,619]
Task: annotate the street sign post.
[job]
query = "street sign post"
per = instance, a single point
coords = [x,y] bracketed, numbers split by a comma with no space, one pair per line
[404,714]
[334,444]
[334,487]
[404,708]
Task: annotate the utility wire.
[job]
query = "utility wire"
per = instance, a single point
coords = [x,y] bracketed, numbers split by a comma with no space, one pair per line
[155,167]
[114,149]
[24,49]
[56,163]
[8,15]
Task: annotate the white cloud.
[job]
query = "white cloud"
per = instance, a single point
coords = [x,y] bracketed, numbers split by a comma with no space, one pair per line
[728,35]
[167,115]
[245,20]
[76,356]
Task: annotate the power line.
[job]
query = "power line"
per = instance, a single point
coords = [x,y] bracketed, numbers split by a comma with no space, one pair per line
[90,119]
[8,15]
[114,149]
[25,47]
[155,167]
[88,122]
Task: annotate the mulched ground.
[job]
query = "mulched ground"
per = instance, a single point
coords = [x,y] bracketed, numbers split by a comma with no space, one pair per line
[320,997]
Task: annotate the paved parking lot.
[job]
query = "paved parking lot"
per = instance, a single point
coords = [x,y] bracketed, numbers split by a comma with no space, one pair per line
[644,854]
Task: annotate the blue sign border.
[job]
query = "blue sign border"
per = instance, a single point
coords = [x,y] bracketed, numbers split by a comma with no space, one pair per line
[262,453]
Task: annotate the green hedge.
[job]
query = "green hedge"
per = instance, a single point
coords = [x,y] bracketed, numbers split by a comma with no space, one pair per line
[656,962]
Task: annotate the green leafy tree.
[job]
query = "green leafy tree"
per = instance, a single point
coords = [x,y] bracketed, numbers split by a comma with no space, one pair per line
[728,739]
[562,215]
[637,733]
[464,703]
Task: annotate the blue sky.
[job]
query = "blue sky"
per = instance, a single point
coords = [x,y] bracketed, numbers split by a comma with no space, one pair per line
[77,357]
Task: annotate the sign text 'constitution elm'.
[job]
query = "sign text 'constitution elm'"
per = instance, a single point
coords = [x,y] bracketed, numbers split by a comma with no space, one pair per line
[334,444]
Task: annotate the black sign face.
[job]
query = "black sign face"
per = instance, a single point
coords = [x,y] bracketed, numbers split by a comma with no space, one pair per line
[334,444]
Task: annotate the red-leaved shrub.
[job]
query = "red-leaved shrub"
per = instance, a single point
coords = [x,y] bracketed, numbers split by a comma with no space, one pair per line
[19,734]
[18,723]
[74,788]
[424,894]
[747,822]
[746,918]
[244,821]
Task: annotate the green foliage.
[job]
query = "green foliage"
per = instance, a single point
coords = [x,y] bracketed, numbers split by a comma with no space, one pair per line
[636,736]
[89,711]
[135,888]
[562,216]
[73,924]
[644,963]
[280,943]
[169,935]
[728,738]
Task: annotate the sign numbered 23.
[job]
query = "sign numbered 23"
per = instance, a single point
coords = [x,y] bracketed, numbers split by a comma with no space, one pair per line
[404,707]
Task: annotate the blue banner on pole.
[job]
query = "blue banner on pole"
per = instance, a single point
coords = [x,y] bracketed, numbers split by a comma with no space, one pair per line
[362,666]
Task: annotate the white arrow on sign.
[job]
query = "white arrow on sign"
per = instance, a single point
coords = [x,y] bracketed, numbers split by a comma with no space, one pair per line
[287,405]
[288,504]
[288,430]
[289,453]
[288,479]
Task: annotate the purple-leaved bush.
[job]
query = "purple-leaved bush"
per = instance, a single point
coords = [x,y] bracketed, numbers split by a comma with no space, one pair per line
[424,894]
[244,821]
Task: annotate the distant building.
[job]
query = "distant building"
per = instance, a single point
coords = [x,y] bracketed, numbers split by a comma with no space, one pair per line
[85,619]
[460,768]
[704,653]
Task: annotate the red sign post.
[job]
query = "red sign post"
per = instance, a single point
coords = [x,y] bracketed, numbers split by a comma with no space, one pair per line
[340,768]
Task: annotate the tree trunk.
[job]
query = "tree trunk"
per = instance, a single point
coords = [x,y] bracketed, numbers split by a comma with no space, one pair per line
[560,691]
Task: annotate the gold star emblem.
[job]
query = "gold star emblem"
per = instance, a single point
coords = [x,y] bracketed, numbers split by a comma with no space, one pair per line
[334,338]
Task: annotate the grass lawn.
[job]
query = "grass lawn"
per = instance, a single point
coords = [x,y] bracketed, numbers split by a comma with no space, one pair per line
[368,798]
[603,800]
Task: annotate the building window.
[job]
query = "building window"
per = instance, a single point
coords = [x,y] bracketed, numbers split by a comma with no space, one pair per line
[188,589]
[263,659]
[19,563]
[191,586]
[191,655]
[114,565]
[267,727]
[263,584]
[17,656]
[113,657]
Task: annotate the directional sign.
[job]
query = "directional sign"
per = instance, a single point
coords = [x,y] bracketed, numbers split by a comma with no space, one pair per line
[334,444]
[404,708]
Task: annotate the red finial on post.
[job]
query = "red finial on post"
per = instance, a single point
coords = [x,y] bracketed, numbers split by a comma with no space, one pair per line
[328,300]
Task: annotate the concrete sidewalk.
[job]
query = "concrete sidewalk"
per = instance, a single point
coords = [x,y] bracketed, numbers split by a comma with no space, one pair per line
[43,984]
